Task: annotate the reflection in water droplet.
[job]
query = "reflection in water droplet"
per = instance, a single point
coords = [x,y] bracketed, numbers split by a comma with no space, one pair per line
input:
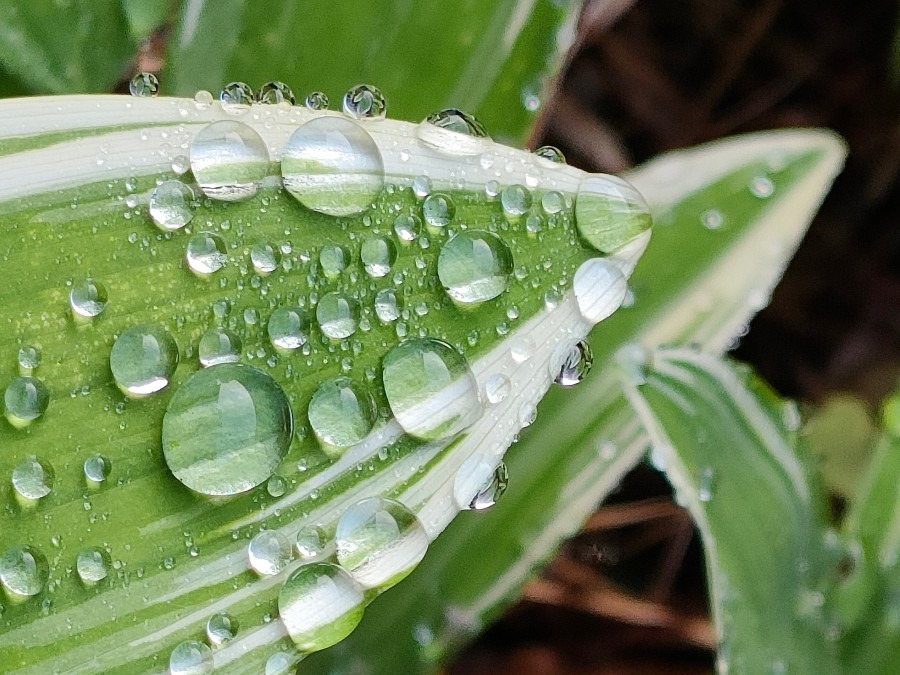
[26,398]
[316,100]
[23,571]
[92,565]
[88,298]
[334,259]
[206,253]
[288,328]
[379,541]
[516,200]
[492,491]
[170,205]
[430,389]
[144,84]
[275,92]
[609,212]
[387,307]
[269,553]
[552,202]
[265,258]
[333,166]
[599,289]
[226,429]
[576,364]
[378,255]
[236,97]
[143,359]
[341,413]
[474,266]
[338,315]
[421,186]
[320,604]
[97,468]
[28,358]
[310,542]
[497,388]
[407,227]
[191,657]
[365,102]
[276,486]
[552,153]
[221,628]
[438,210]
[33,478]
[479,484]
[453,131]
[229,160]
[219,345]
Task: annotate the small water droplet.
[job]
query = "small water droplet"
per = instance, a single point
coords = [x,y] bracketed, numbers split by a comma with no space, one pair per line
[221,628]
[552,202]
[144,84]
[430,388]
[762,187]
[491,189]
[576,364]
[341,413]
[236,97]
[32,478]
[421,186]
[28,358]
[206,253]
[280,663]
[705,484]
[609,212]
[191,657]
[97,468]
[203,99]
[378,255]
[316,100]
[180,164]
[265,258]
[26,398]
[288,328]
[310,542]
[88,298]
[334,260]
[229,160]
[219,345]
[474,266]
[92,565]
[387,307]
[338,315]
[143,359]
[453,131]
[516,200]
[551,153]
[275,92]
[269,553]
[497,388]
[333,166]
[492,490]
[407,227]
[712,219]
[438,210]
[23,571]
[365,102]
[170,205]
[226,429]
[599,289]
[320,604]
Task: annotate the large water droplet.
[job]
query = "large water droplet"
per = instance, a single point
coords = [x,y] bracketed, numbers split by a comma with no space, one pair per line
[378,255]
[269,553]
[26,398]
[265,258]
[379,541]
[275,92]
[320,604]
[365,102]
[430,389]
[88,298]
[23,571]
[33,478]
[516,200]
[144,84]
[479,483]
[229,160]
[191,657]
[438,210]
[226,429]
[576,364]
[333,166]
[453,131]
[206,253]
[170,205]
[310,542]
[609,212]
[288,328]
[338,315]
[92,565]
[334,259]
[221,628]
[387,306]
[143,359]
[219,345]
[474,266]
[341,413]
[600,289]
[97,468]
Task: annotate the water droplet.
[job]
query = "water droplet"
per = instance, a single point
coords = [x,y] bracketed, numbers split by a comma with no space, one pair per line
[226,429]
[269,553]
[229,160]
[236,97]
[221,628]
[23,570]
[609,212]
[191,657]
[265,258]
[203,99]
[26,398]
[453,131]
[317,100]
[407,227]
[206,253]
[474,266]
[762,187]
[275,92]
[320,604]
[92,565]
[333,166]
[491,189]
[180,164]
[144,84]
[430,388]
[97,468]
[338,315]
[280,663]
[712,219]
[143,359]
[334,259]
[490,490]
[28,358]
[599,289]
[551,153]
[364,102]
[387,307]
[438,210]
[516,200]
[378,255]
[170,205]
[288,328]
[310,542]
[497,388]
[552,202]
[88,298]
[33,478]
[379,541]
[421,186]
[576,364]
[219,345]
[341,413]
[276,486]
[705,484]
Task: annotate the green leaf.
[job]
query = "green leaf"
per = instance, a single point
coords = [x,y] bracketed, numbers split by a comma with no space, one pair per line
[74,47]
[693,285]
[138,489]
[729,447]
[483,57]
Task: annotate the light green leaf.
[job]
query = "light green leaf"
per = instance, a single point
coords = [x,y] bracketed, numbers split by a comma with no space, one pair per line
[729,447]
